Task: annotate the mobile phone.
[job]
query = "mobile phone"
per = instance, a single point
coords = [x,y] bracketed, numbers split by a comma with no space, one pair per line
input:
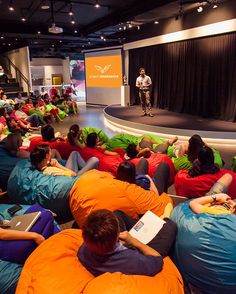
[12,210]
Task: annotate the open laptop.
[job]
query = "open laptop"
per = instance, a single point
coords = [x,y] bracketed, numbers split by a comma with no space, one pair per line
[23,222]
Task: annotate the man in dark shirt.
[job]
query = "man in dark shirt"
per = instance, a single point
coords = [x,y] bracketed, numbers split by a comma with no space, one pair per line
[104,251]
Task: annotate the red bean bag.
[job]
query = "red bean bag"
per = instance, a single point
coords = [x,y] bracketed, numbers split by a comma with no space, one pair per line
[200,185]
[108,163]
[154,160]
[98,190]
[63,147]
[54,268]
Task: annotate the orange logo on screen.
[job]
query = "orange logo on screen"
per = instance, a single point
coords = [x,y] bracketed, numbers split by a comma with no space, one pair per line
[103,71]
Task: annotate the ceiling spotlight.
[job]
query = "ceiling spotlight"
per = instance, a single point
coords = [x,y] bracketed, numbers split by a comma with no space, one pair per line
[23,19]
[120,28]
[102,37]
[38,32]
[45,6]
[72,21]
[124,28]
[1,37]
[130,26]
[156,22]
[75,31]
[71,11]
[11,7]
[97,5]
[60,41]
[200,9]
[138,27]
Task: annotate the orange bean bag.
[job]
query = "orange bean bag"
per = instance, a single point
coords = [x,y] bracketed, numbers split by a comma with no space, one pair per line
[54,268]
[200,185]
[154,160]
[97,190]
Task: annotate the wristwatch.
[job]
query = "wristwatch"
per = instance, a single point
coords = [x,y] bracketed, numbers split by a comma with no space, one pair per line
[214,198]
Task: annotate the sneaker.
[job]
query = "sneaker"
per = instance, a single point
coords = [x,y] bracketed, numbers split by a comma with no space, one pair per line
[150,114]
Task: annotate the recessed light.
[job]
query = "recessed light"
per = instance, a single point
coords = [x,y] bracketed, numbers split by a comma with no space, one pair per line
[75,31]
[38,32]
[156,22]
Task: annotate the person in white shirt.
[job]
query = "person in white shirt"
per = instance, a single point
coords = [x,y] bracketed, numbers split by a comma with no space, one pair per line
[143,82]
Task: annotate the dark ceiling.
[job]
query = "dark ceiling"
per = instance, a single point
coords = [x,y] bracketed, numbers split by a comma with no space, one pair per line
[108,25]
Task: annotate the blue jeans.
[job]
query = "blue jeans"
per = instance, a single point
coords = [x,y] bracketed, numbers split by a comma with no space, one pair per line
[76,163]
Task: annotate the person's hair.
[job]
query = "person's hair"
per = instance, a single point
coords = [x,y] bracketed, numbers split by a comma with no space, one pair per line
[126,172]
[47,118]
[73,133]
[131,150]
[47,133]
[17,106]
[141,68]
[8,121]
[2,110]
[91,140]
[204,164]
[13,143]
[100,231]
[195,145]
[39,154]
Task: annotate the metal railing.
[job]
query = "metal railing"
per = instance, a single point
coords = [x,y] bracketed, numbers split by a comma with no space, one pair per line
[19,76]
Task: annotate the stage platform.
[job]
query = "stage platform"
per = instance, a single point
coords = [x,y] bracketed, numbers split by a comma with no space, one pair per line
[166,123]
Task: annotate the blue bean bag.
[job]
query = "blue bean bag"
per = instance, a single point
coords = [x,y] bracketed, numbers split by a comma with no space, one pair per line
[9,276]
[7,163]
[9,271]
[205,249]
[29,186]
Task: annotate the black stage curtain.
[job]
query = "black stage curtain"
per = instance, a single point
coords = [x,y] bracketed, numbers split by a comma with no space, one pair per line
[195,76]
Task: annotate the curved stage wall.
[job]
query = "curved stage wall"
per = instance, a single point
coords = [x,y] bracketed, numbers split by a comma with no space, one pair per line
[166,123]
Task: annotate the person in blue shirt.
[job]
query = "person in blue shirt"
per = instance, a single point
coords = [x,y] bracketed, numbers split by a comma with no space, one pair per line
[106,249]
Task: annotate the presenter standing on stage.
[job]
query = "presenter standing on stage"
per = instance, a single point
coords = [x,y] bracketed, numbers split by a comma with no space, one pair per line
[143,82]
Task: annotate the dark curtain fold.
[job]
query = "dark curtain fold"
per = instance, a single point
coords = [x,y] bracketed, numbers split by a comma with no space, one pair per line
[195,76]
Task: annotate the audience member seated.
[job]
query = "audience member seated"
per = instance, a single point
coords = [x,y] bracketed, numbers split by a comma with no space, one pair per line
[55,265]
[113,194]
[186,152]
[16,246]
[41,159]
[49,107]
[15,126]
[33,119]
[109,247]
[14,144]
[205,249]
[146,146]
[108,160]
[203,174]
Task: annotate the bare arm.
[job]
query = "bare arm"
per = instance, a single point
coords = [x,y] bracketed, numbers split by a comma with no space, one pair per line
[144,152]
[18,235]
[152,185]
[197,204]
[110,153]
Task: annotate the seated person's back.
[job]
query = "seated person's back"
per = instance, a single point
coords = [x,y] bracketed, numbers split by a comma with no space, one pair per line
[102,251]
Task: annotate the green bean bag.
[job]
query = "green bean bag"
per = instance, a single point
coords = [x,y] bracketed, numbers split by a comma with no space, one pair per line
[233,166]
[29,186]
[61,113]
[182,162]
[121,141]
[88,130]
